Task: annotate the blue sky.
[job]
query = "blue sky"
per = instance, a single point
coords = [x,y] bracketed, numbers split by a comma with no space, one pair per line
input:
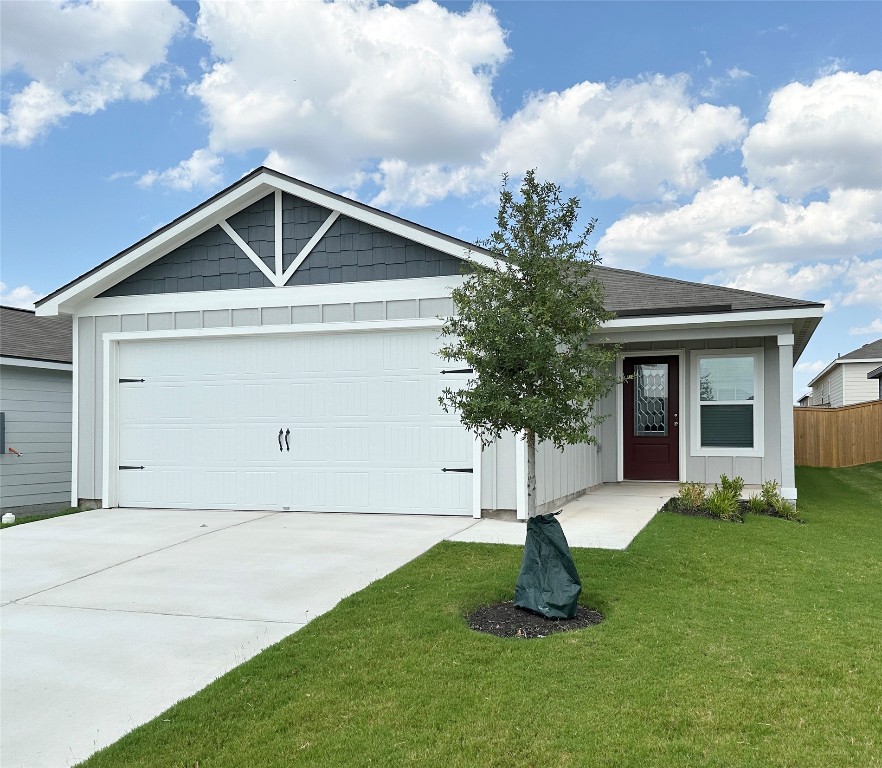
[735,143]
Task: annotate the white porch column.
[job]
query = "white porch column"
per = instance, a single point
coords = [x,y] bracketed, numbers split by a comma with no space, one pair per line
[785,397]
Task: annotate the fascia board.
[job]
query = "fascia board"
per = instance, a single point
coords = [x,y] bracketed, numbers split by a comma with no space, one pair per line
[48,365]
[153,248]
[673,322]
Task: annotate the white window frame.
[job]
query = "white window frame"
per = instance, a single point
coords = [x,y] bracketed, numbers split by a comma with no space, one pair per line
[758,402]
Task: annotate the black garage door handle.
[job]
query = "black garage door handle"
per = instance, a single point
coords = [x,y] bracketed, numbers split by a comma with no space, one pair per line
[287,445]
[281,432]
[448,469]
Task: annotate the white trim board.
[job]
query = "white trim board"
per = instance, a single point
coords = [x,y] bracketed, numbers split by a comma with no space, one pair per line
[20,362]
[365,326]
[294,296]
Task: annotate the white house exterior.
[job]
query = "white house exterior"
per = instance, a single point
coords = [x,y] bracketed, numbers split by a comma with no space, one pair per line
[845,381]
[35,412]
[274,348]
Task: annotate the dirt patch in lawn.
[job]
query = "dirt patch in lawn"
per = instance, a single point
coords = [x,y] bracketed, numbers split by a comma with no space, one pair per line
[507,620]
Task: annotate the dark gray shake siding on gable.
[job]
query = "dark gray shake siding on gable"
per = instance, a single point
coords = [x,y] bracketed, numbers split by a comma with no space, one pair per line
[209,262]
[350,251]
[353,251]
[300,221]
[256,226]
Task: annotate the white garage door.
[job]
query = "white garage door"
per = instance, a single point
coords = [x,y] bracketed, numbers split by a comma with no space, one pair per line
[334,422]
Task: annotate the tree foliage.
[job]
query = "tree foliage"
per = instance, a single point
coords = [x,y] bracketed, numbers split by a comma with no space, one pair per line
[524,326]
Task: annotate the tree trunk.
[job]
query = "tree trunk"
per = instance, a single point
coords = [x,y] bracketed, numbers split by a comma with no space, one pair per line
[531,474]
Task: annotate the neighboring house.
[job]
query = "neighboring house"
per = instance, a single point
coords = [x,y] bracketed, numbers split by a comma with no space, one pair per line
[845,381]
[275,348]
[805,401]
[35,412]
[876,375]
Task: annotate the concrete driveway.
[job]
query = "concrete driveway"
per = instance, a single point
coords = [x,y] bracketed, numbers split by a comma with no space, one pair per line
[111,616]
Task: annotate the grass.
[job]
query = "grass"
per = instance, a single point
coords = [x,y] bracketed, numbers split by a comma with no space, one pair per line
[36,518]
[723,645]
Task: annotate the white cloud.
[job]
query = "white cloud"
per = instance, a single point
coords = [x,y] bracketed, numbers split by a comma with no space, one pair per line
[864,283]
[812,368]
[820,136]
[783,279]
[81,57]
[868,330]
[363,81]
[638,139]
[396,103]
[22,296]
[732,224]
[737,73]
[202,169]
[831,66]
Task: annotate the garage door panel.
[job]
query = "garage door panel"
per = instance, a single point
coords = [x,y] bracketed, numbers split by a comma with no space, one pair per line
[366,432]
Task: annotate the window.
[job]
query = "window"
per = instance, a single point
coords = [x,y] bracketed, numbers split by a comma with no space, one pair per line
[727,403]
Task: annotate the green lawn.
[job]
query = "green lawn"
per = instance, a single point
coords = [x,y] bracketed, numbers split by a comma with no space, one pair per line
[21,520]
[724,645]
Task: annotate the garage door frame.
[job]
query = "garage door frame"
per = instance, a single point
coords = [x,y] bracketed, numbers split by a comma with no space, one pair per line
[112,343]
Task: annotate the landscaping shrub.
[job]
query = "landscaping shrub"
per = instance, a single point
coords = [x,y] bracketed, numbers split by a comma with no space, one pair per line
[692,495]
[735,486]
[756,505]
[722,504]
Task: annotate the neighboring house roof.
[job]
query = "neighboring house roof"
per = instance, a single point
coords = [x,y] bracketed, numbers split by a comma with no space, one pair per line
[629,294]
[869,353]
[25,336]
[876,373]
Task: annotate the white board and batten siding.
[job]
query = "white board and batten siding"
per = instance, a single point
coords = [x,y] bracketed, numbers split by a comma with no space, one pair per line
[325,422]
[37,405]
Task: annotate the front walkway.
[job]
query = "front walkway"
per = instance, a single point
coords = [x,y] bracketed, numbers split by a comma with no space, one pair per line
[607,517]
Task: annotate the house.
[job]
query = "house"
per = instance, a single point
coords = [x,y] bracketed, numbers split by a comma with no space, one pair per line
[846,380]
[876,375]
[275,348]
[35,412]
[805,401]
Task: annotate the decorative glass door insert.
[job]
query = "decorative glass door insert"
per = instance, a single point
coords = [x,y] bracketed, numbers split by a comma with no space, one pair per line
[650,400]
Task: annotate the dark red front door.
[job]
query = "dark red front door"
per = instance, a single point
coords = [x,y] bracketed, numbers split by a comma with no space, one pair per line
[651,419]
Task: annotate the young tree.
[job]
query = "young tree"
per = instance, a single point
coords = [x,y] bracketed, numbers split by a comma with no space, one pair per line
[523,327]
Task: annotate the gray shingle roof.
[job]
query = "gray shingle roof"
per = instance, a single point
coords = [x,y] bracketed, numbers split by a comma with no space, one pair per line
[635,294]
[24,335]
[871,351]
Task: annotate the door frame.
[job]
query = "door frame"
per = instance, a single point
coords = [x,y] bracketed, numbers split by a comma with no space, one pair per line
[110,380]
[680,354]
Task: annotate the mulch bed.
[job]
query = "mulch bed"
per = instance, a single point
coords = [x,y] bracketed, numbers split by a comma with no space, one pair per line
[507,620]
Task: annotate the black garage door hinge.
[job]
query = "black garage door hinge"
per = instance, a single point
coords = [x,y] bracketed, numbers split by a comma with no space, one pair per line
[128,466]
[129,381]
[460,370]
[448,469]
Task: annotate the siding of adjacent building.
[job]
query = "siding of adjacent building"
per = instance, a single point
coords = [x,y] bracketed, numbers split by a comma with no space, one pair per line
[846,384]
[37,404]
[857,387]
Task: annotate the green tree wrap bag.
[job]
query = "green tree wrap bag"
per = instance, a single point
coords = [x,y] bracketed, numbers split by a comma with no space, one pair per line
[548,583]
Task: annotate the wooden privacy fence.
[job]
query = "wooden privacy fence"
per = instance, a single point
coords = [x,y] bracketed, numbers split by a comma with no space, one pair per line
[838,437]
